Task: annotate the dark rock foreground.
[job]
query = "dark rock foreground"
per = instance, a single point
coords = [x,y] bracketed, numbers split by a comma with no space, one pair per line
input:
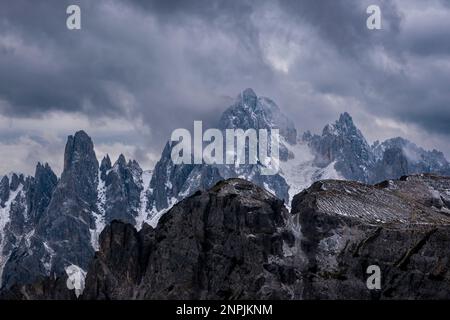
[237,241]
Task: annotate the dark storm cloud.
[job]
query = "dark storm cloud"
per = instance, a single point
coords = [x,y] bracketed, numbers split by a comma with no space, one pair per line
[44,66]
[159,65]
[415,92]
[342,23]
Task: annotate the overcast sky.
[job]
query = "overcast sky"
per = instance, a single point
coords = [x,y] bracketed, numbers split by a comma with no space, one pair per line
[139,69]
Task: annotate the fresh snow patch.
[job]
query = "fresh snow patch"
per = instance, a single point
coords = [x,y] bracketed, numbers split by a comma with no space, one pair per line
[99,214]
[268,188]
[28,237]
[153,221]
[329,172]
[48,263]
[300,171]
[143,212]
[76,279]
[5,218]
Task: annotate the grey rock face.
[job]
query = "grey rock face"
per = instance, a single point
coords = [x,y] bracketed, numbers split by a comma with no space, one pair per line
[396,157]
[347,226]
[105,166]
[4,190]
[220,244]
[54,288]
[41,191]
[171,183]
[123,189]
[62,235]
[167,181]
[48,225]
[237,241]
[252,112]
[27,200]
[343,144]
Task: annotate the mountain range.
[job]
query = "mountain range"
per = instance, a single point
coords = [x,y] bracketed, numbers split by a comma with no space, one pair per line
[238,241]
[50,223]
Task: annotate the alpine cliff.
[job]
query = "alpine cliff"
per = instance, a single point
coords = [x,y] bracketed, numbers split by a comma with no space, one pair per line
[50,224]
[238,241]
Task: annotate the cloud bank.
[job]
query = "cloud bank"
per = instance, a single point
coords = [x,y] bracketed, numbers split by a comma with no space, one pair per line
[139,69]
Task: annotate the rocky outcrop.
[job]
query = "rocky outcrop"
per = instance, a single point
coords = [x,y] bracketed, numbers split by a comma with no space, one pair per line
[220,244]
[397,157]
[48,224]
[62,235]
[171,183]
[237,241]
[41,191]
[48,288]
[401,226]
[27,199]
[343,145]
[123,187]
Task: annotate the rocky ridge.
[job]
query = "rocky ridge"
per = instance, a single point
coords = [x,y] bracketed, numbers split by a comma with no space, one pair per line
[236,241]
[49,224]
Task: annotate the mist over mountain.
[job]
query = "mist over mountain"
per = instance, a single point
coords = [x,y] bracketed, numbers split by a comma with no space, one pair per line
[48,224]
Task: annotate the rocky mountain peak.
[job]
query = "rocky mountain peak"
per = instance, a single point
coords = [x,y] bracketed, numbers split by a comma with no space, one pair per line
[44,174]
[171,183]
[345,118]
[122,187]
[401,156]
[105,166]
[343,144]
[16,180]
[106,163]
[135,169]
[248,98]
[253,112]
[218,265]
[79,152]
[345,127]
[236,241]
[4,190]
[81,166]
[121,161]
[40,193]
[43,170]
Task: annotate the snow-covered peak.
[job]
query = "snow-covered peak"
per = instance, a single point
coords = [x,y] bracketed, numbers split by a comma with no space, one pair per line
[344,127]
[248,98]
[253,112]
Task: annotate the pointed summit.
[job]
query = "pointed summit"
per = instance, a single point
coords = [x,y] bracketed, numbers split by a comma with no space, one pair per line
[346,123]
[4,190]
[345,118]
[81,165]
[121,161]
[44,170]
[249,98]
[106,163]
[79,148]
[15,181]
[45,181]
[252,112]
[344,145]
[343,126]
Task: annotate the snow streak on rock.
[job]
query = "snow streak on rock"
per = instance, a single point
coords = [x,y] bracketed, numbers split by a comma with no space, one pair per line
[99,215]
[4,221]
